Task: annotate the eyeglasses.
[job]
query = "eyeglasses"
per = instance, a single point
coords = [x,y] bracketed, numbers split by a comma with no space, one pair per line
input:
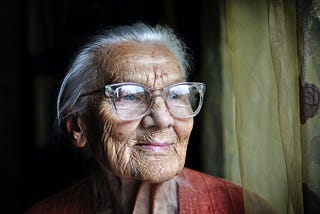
[132,100]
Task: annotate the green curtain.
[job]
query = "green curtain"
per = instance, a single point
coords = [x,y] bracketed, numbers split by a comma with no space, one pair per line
[270,54]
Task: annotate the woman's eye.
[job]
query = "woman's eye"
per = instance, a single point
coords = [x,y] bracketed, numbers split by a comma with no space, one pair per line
[128,97]
[173,96]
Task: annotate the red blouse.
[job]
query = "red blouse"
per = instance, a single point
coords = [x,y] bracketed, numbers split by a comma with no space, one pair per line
[202,194]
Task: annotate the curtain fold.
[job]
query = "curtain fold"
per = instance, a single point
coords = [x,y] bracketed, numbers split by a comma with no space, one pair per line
[260,51]
[283,43]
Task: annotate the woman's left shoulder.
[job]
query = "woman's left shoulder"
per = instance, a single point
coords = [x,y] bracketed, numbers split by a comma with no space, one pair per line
[197,178]
[214,194]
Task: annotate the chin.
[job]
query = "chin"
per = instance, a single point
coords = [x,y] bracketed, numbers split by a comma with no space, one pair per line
[160,175]
[150,174]
[159,179]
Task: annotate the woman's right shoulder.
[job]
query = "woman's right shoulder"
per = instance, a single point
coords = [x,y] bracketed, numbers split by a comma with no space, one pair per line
[74,199]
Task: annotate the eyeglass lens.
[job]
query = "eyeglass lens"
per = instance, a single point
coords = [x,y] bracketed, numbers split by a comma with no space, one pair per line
[132,101]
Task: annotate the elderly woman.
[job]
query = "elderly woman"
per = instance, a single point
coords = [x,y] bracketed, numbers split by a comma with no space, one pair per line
[126,96]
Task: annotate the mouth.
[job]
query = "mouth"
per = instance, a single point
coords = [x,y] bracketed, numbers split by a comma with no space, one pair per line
[155,147]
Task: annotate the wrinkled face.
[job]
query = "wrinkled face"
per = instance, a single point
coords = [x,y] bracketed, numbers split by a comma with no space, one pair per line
[151,148]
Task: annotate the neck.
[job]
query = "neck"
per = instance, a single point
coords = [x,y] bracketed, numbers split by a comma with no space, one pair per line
[132,196]
[156,198]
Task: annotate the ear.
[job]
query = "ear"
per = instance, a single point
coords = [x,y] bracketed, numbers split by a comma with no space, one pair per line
[75,129]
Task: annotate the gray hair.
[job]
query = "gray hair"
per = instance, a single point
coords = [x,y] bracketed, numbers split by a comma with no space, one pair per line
[83,73]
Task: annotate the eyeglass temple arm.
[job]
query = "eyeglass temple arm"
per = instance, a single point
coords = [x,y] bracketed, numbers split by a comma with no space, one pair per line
[93,92]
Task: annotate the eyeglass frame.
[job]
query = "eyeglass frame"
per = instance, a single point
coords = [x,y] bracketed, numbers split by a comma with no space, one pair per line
[109,88]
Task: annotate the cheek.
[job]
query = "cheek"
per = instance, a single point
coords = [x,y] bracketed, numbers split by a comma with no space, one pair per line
[115,128]
[118,147]
[118,137]
[124,131]
[183,129]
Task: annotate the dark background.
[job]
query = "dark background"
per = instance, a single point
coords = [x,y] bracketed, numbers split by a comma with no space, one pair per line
[38,40]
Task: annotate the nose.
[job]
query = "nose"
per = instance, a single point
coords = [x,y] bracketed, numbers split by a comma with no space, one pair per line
[159,115]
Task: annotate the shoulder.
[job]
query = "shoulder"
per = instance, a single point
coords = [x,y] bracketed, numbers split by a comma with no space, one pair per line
[74,199]
[207,182]
[202,192]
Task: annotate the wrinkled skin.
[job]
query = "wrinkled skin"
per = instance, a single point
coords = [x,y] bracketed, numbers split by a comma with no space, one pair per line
[154,67]
[151,150]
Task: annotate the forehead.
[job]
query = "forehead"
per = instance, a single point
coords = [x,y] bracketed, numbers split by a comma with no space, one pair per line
[149,64]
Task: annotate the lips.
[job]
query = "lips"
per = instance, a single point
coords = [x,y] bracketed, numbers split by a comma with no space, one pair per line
[155,147]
